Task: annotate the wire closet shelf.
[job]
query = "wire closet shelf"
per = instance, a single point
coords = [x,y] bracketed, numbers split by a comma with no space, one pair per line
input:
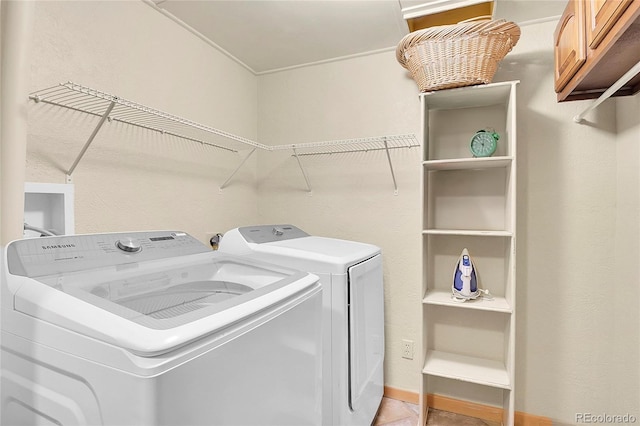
[112,108]
[346,146]
[98,103]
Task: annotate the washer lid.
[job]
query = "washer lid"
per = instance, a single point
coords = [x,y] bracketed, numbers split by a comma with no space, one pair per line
[331,252]
[296,248]
[149,307]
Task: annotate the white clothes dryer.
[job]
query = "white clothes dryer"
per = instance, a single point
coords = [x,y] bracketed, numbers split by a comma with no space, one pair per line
[154,328]
[353,299]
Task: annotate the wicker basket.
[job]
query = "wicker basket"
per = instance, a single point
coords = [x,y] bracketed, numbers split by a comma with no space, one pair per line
[458,55]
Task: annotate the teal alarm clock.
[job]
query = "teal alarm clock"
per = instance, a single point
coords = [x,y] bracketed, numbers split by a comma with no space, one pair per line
[484,143]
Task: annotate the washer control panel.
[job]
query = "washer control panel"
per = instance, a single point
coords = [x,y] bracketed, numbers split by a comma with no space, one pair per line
[52,255]
[269,233]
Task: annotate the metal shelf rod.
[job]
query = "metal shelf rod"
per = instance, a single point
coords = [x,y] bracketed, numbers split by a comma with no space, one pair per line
[346,142]
[351,151]
[38,99]
[178,135]
[579,118]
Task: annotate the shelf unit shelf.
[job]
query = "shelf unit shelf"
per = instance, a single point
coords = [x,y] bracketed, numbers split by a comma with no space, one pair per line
[468,232]
[468,163]
[468,97]
[468,369]
[469,202]
[444,298]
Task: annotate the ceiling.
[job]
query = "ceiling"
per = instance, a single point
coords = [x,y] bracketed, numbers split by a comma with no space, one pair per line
[270,35]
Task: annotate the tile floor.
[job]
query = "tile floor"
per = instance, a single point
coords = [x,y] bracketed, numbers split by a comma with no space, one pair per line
[399,413]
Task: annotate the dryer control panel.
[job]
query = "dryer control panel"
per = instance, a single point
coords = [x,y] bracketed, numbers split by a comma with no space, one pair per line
[269,233]
[34,257]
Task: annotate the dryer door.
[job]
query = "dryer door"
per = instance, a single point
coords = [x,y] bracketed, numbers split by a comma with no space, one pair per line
[366,333]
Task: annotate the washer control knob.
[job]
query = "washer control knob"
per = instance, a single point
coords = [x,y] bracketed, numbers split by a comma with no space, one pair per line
[277,231]
[130,245]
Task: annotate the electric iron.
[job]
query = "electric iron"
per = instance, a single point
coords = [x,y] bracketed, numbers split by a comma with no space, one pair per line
[465,281]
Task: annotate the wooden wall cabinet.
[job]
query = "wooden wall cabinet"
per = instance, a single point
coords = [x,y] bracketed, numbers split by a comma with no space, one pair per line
[569,50]
[596,42]
[600,17]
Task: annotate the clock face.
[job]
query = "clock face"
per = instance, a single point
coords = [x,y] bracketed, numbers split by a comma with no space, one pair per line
[483,144]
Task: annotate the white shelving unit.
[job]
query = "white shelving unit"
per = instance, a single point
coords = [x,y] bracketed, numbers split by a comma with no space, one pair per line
[110,108]
[469,203]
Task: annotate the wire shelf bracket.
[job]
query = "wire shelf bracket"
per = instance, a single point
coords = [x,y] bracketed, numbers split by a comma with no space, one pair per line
[304,173]
[226,182]
[393,175]
[89,141]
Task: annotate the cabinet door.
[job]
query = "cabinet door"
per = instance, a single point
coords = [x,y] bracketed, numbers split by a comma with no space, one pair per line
[601,15]
[570,48]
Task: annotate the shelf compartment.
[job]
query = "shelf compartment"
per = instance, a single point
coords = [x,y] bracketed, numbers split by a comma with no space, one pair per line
[491,255]
[452,117]
[450,132]
[470,97]
[468,369]
[443,298]
[468,332]
[468,199]
[468,163]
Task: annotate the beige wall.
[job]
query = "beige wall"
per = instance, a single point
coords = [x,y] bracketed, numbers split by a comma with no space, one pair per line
[133,179]
[625,320]
[577,344]
[568,346]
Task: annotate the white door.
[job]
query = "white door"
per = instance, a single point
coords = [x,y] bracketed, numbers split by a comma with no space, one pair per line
[366,330]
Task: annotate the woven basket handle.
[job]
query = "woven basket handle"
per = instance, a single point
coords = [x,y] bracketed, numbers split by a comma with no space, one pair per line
[477,18]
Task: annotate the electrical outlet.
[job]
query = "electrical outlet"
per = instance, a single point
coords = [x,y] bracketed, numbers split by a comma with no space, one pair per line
[407,349]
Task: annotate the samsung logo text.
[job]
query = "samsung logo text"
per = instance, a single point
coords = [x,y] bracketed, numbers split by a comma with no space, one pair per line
[58,246]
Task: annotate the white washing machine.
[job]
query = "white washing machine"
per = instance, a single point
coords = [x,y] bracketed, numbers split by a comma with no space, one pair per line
[154,328]
[353,299]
